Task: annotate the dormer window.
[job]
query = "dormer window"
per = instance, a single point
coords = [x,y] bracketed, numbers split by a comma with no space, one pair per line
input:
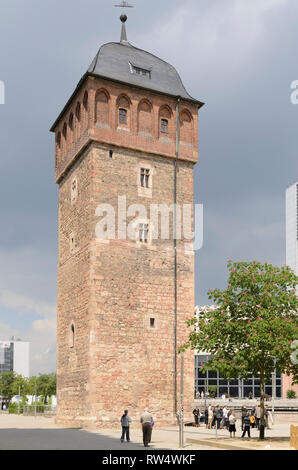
[122,116]
[140,71]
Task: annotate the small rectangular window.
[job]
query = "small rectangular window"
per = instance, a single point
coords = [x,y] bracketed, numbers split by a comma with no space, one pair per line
[152,322]
[145,176]
[164,126]
[122,116]
[141,71]
[143,233]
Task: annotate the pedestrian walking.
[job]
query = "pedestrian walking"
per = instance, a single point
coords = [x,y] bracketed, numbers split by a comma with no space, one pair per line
[218,416]
[232,423]
[146,421]
[243,414]
[125,423]
[246,425]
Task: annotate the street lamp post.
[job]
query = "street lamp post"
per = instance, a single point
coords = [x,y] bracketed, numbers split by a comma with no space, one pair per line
[274,387]
[181,419]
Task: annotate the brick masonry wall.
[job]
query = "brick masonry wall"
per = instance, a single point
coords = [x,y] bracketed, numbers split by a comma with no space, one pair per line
[132,135]
[109,291]
[108,357]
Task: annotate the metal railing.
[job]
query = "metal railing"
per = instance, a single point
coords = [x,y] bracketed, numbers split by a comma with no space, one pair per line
[34,410]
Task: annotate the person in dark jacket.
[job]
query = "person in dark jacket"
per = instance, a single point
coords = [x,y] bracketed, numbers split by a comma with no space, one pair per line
[206,417]
[125,422]
[196,413]
[218,416]
[246,425]
[243,414]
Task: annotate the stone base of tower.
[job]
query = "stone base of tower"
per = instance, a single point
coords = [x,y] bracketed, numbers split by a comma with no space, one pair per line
[112,422]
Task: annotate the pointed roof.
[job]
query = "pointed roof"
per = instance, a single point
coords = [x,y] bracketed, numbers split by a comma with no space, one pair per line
[119,61]
[124,63]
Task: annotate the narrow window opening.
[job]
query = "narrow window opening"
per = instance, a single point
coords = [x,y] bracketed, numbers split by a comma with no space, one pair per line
[111,153]
[145,177]
[72,336]
[164,126]
[152,322]
[143,233]
[122,116]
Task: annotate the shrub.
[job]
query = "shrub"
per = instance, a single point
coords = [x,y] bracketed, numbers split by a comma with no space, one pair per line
[13,408]
[291,394]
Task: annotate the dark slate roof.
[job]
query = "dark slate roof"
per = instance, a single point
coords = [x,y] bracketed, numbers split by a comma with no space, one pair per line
[115,60]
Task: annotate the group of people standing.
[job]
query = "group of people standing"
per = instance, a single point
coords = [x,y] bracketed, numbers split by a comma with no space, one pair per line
[146,421]
[216,417]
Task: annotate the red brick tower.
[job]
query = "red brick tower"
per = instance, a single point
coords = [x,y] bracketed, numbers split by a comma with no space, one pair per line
[127,129]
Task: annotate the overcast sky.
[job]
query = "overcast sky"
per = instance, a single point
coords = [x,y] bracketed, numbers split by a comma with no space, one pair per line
[238,56]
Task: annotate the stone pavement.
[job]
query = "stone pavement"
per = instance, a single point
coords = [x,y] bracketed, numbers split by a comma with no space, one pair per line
[40,433]
[276,438]
[28,432]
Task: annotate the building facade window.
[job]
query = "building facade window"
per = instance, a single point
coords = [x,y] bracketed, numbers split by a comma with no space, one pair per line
[236,388]
[145,177]
[74,190]
[164,126]
[72,241]
[122,116]
[141,71]
[143,232]
[72,336]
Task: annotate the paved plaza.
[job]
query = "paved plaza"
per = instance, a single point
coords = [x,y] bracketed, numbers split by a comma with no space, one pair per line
[40,433]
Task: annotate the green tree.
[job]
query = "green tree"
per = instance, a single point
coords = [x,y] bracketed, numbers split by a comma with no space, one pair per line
[46,385]
[7,384]
[20,385]
[254,324]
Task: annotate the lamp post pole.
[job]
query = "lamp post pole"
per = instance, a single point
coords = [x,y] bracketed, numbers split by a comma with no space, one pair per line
[19,400]
[181,436]
[273,387]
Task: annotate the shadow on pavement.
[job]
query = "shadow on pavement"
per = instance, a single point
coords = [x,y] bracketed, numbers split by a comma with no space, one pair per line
[62,439]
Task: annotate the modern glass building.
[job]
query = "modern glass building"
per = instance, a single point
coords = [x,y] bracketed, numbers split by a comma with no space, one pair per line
[238,388]
[6,356]
[14,355]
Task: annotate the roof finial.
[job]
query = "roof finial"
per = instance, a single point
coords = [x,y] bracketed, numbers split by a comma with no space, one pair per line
[123,19]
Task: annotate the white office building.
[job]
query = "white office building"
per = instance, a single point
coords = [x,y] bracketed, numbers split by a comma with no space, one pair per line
[292,227]
[14,355]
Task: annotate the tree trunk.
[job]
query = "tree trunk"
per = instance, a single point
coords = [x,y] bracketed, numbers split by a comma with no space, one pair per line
[262,406]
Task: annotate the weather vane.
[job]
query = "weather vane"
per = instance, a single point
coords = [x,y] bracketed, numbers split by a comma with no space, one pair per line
[123,19]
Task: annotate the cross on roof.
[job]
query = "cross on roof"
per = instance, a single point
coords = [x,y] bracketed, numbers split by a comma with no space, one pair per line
[124,5]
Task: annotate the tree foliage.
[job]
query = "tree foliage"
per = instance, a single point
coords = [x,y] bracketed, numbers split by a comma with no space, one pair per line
[11,384]
[254,324]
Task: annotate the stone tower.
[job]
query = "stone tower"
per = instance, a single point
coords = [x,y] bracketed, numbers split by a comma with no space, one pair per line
[128,133]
